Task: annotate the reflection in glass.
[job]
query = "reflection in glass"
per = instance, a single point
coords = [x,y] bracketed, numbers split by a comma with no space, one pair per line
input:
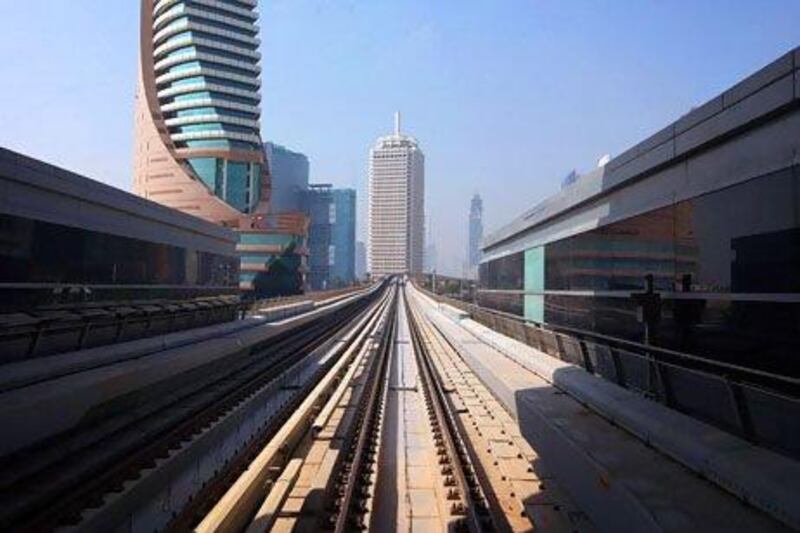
[727,265]
[33,251]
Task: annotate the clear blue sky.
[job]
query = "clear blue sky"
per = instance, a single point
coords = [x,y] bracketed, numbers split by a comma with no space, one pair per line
[506,97]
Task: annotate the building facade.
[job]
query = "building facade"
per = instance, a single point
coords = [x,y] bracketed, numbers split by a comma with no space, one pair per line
[64,234]
[331,236]
[361,260]
[289,172]
[396,205]
[197,142]
[431,257]
[707,209]
[342,258]
[475,235]
[318,206]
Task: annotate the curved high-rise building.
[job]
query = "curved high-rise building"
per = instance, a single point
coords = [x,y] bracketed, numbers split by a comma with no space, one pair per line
[198,107]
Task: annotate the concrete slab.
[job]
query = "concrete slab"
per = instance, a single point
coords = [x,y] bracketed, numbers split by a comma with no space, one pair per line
[519,470]
[420,477]
[424,502]
[408,480]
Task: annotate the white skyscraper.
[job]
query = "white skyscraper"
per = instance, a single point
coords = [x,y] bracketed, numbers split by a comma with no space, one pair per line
[396,205]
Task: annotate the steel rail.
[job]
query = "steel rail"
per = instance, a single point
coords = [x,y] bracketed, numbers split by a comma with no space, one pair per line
[435,336]
[368,423]
[233,509]
[63,504]
[460,460]
[377,432]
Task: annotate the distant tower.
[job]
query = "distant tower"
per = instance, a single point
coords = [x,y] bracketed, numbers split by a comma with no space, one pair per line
[396,205]
[430,249]
[361,260]
[475,233]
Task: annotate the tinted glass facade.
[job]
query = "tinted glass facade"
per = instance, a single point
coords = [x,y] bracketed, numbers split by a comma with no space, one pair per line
[343,237]
[319,206]
[727,265]
[331,236]
[33,251]
[289,171]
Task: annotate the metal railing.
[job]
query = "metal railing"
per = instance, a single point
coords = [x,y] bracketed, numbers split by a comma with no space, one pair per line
[278,301]
[759,406]
[66,328]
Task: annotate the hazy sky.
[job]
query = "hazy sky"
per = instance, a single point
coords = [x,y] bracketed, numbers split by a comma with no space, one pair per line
[505,97]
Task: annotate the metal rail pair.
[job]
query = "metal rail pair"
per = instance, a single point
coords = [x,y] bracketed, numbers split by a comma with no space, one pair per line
[50,485]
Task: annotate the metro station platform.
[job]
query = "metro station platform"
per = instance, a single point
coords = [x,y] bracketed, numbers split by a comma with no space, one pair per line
[629,463]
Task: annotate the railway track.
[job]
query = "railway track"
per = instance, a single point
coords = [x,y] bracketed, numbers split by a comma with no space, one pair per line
[102,472]
[304,464]
[365,419]
[399,435]
[520,493]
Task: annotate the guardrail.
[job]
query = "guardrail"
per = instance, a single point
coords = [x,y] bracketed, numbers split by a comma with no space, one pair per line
[761,407]
[314,296]
[60,329]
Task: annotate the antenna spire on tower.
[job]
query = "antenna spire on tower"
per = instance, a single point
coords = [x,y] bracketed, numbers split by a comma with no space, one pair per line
[397,123]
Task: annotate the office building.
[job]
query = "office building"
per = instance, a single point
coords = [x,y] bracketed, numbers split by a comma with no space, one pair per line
[342,258]
[706,208]
[274,255]
[331,236]
[318,206]
[197,118]
[289,171]
[396,205]
[361,260]
[475,235]
[66,236]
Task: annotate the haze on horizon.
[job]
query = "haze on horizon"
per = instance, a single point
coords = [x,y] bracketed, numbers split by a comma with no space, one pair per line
[504,98]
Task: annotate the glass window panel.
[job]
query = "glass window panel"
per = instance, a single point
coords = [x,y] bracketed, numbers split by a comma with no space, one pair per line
[40,252]
[206,170]
[236,185]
